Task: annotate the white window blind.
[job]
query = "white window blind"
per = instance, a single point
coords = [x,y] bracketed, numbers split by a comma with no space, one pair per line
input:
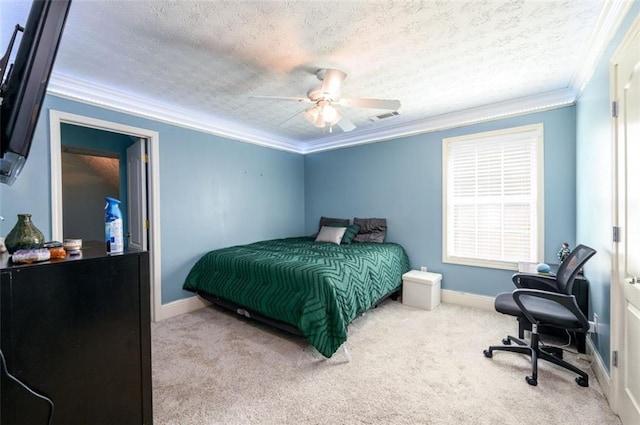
[493,197]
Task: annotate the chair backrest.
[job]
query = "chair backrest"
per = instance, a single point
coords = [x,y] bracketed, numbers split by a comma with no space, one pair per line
[571,266]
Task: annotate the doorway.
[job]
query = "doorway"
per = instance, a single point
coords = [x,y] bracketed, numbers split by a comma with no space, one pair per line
[87,178]
[150,191]
[93,166]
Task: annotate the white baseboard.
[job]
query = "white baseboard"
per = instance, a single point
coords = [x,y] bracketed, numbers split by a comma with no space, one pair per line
[599,370]
[185,305]
[469,300]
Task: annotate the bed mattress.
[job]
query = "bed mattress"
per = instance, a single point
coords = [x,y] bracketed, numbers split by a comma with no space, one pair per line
[317,287]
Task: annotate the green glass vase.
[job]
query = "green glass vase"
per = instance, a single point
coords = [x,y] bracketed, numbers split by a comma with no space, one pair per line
[24,235]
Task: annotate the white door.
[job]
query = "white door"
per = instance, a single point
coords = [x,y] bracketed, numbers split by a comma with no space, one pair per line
[137,198]
[626,291]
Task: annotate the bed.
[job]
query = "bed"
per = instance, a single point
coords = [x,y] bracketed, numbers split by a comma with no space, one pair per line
[314,288]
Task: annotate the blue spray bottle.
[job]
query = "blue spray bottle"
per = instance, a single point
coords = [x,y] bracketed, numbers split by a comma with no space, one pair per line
[113,226]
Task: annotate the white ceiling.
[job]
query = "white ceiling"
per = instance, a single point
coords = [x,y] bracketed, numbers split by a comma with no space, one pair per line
[449,62]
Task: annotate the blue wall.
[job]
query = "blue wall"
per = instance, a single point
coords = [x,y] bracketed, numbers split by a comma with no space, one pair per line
[214,192]
[595,182]
[401,180]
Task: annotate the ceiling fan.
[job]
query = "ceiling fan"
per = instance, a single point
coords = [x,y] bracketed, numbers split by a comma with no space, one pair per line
[327,96]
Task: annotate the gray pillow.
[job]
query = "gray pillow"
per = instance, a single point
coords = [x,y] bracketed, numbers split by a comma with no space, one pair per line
[331,234]
[333,222]
[371,229]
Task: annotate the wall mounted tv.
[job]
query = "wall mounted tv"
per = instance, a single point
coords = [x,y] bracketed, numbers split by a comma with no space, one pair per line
[23,84]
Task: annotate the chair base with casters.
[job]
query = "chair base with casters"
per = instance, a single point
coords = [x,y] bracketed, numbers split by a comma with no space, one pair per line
[537,352]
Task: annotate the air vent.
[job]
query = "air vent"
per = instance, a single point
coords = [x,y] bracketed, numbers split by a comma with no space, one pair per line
[384,116]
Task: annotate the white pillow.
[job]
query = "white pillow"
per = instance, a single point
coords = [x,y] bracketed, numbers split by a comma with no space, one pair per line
[331,234]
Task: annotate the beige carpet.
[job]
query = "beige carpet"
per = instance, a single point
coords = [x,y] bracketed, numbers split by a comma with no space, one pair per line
[408,366]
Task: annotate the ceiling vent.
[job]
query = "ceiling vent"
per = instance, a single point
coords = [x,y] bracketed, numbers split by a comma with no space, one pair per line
[376,118]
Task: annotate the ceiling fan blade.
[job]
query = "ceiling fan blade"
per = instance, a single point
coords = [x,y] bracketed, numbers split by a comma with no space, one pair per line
[293,99]
[290,118]
[331,80]
[371,103]
[346,124]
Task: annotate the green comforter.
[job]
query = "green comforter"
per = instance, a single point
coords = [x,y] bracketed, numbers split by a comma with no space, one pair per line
[317,287]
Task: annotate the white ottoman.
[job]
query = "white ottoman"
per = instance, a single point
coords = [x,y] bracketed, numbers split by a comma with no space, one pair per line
[421,289]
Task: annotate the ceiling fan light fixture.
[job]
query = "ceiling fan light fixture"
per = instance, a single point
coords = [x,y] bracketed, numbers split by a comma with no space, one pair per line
[323,113]
[314,116]
[329,114]
[335,120]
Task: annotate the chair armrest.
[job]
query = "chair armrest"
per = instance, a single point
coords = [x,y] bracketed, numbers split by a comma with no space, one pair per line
[567,301]
[535,281]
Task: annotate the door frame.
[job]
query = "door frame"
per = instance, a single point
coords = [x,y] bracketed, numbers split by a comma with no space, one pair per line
[616,290]
[137,172]
[56,119]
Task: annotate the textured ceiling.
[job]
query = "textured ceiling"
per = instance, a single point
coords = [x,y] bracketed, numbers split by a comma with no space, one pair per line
[199,62]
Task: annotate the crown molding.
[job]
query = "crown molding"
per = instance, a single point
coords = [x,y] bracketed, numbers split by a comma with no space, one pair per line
[611,16]
[92,94]
[525,105]
[86,92]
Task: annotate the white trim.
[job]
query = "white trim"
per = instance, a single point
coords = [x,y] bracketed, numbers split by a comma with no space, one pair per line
[482,302]
[153,213]
[611,16]
[176,308]
[599,370]
[90,93]
[187,305]
[615,297]
[499,110]
[93,94]
[153,137]
[55,148]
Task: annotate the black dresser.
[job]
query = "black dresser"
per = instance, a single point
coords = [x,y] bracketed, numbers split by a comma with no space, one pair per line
[77,331]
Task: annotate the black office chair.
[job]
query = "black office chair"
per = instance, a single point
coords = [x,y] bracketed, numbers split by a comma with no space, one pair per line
[554,306]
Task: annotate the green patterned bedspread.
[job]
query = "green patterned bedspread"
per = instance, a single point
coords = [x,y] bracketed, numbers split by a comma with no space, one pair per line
[317,287]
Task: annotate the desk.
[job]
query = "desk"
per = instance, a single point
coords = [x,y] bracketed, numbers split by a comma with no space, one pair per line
[581,291]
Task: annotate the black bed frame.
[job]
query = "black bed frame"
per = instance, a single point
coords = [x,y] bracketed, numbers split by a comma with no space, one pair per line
[245,312]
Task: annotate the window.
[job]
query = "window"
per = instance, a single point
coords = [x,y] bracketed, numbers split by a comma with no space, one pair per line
[493,198]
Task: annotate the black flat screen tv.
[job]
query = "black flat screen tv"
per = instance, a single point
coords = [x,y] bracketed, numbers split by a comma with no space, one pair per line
[25,83]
